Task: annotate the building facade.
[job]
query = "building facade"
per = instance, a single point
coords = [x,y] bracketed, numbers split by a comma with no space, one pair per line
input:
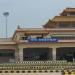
[54,41]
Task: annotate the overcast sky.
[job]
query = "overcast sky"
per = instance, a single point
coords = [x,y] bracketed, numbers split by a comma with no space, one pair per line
[30,13]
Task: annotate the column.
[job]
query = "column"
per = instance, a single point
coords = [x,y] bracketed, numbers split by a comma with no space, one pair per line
[16,55]
[21,54]
[54,53]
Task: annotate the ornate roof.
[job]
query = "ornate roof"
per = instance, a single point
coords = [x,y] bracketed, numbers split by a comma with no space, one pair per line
[68,15]
[49,24]
[68,10]
[64,19]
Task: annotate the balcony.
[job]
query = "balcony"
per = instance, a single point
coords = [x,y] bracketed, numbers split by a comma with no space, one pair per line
[6,41]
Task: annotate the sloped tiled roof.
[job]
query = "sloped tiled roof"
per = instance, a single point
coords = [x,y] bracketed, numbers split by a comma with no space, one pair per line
[68,10]
[64,19]
[50,24]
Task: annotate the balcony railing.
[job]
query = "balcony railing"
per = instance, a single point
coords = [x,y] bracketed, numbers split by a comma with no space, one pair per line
[6,40]
[38,65]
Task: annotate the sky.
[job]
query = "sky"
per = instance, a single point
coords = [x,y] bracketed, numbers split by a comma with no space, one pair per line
[29,13]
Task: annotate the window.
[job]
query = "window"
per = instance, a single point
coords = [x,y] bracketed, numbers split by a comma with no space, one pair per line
[73,24]
[24,37]
[6,54]
[72,14]
[64,25]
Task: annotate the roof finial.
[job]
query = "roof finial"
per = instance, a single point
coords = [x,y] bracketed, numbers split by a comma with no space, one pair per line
[18,27]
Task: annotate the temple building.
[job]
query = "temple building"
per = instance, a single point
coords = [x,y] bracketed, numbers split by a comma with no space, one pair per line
[54,41]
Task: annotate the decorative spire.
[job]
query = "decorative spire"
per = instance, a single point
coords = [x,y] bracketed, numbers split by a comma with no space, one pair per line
[18,27]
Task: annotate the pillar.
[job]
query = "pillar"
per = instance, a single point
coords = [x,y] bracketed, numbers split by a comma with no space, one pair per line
[16,56]
[54,53]
[21,54]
